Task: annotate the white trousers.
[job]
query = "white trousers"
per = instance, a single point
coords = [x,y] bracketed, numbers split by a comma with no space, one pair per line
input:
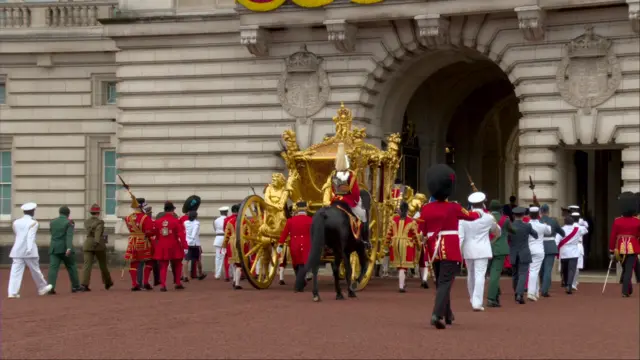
[17,271]
[219,262]
[534,273]
[359,212]
[476,271]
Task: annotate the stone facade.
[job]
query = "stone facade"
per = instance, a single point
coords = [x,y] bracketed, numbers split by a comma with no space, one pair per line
[205,90]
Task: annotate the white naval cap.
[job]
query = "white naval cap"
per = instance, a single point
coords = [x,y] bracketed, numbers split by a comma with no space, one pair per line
[573,207]
[29,206]
[534,209]
[575,214]
[477,197]
[224,208]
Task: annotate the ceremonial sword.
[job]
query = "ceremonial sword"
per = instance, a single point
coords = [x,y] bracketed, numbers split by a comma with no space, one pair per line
[607,277]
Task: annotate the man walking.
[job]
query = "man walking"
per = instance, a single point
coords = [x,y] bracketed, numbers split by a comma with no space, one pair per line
[550,249]
[95,246]
[499,250]
[519,253]
[569,251]
[61,250]
[476,248]
[25,253]
[170,246]
[218,227]
[536,248]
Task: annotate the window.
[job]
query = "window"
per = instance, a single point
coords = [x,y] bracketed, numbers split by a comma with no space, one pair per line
[109,182]
[3,92]
[5,182]
[111,95]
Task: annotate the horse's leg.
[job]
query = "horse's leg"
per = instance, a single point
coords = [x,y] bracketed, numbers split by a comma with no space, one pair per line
[348,272]
[364,264]
[335,266]
[314,271]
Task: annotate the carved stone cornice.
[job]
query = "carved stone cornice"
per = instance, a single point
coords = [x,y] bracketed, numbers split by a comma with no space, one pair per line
[256,39]
[433,29]
[531,21]
[634,14]
[342,34]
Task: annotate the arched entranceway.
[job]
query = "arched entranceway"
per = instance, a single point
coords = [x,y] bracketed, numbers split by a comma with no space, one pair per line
[463,110]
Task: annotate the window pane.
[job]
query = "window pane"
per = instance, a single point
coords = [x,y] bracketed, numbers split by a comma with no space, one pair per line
[5,174]
[112,94]
[6,207]
[5,191]
[110,207]
[3,94]
[109,175]
[110,158]
[6,158]
[111,192]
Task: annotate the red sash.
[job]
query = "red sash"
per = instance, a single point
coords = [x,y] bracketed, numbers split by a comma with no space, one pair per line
[566,239]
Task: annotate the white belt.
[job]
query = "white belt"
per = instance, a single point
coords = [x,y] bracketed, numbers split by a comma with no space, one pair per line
[549,239]
[447,232]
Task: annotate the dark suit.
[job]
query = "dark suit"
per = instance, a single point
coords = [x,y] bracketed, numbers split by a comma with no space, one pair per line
[550,252]
[519,253]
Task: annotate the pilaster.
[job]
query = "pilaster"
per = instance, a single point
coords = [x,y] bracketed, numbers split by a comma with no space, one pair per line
[433,30]
[631,169]
[634,14]
[342,34]
[531,22]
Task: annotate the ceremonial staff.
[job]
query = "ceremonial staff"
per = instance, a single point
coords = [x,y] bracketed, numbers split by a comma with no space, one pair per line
[532,187]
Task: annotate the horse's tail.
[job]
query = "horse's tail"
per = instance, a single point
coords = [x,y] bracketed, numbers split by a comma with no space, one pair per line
[317,247]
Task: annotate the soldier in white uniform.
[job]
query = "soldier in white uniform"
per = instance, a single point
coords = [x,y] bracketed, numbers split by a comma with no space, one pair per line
[536,247]
[584,230]
[218,227]
[569,250]
[476,248]
[25,253]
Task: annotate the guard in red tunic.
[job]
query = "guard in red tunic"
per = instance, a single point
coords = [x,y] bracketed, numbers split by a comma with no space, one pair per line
[228,247]
[345,190]
[440,226]
[624,242]
[298,231]
[170,246]
[402,239]
[139,247]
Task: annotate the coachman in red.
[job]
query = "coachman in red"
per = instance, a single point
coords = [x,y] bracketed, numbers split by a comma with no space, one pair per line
[170,246]
[298,231]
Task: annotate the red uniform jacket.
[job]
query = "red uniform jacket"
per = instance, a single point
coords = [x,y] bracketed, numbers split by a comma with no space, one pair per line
[170,239]
[440,220]
[410,232]
[141,232]
[625,235]
[298,230]
[229,219]
[353,197]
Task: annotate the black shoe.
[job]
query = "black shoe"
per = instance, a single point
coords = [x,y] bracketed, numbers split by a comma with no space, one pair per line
[282,282]
[402,290]
[156,283]
[424,285]
[493,304]
[85,288]
[201,277]
[185,279]
[623,295]
[136,288]
[546,295]
[108,286]
[78,289]
[52,292]
[237,287]
[449,319]
[179,287]
[163,289]
[148,287]
[569,290]
[437,323]
[227,280]
[520,299]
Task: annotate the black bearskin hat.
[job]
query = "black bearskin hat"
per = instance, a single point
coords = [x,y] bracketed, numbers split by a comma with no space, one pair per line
[628,203]
[191,204]
[441,181]
[235,208]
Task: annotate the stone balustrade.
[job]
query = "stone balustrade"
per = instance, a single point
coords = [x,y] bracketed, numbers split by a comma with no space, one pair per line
[55,14]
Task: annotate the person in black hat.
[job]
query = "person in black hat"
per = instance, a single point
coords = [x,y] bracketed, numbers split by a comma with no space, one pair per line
[519,253]
[439,223]
[624,241]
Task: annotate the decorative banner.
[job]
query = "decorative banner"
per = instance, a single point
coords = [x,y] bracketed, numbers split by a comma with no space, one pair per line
[312,3]
[366,2]
[261,5]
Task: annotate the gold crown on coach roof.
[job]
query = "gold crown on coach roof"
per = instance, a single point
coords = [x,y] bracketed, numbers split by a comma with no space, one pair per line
[589,45]
[343,116]
[303,61]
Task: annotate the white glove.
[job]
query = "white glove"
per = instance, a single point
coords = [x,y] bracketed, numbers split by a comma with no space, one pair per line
[279,249]
[223,251]
[186,251]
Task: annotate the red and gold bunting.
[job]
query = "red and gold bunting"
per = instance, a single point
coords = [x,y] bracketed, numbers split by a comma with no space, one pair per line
[366,2]
[312,3]
[261,5]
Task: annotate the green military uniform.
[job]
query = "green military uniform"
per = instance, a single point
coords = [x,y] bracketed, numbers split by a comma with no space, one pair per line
[500,250]
[95,247]
[61,230]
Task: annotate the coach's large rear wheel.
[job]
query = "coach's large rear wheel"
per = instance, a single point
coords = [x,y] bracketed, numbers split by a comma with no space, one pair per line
[258,252]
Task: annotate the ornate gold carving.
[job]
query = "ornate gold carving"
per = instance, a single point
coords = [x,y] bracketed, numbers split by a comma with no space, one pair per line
[275,196]
[531,22]
[589,74]
[303,88]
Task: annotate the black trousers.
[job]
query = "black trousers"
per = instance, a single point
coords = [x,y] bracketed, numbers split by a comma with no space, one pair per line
[568,269]
[445,272]
[630,260]
[519,274]
[298,268]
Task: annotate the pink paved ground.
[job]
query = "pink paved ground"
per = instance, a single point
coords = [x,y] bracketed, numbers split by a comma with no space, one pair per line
[209,320]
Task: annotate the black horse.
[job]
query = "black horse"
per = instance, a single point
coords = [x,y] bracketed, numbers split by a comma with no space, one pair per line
[331,228]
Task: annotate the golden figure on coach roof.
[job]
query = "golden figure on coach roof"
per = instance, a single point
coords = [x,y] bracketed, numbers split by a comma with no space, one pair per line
[309,179]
